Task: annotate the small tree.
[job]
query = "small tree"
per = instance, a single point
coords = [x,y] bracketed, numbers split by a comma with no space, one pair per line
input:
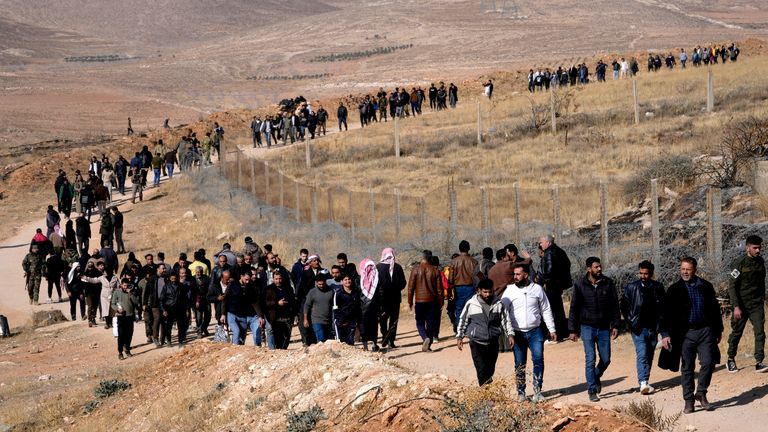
[741,143]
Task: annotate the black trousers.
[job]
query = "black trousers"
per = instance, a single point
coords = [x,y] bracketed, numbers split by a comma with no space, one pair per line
[281,332]
[484,357]
[307,334]
[699,342]
[203,318]
[555,298]
[124,333]
[73,299]
[388,323]
[51,283]
[178,315]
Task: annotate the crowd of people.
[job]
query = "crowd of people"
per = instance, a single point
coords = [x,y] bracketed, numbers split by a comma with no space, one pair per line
[506,304]
[579,74]
[294,121]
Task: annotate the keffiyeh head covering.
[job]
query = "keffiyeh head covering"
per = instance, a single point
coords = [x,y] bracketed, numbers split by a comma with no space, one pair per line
[309,261]
[388,257]
[369,278]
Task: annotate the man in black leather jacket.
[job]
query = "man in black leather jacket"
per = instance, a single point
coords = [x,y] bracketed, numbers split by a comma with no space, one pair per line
[555,277]
[641,304]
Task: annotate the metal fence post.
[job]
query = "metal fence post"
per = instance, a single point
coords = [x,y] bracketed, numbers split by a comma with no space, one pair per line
[266,182]
[298,202]
[518,234]
[423,219]
[714,228]
[372,206]
[351,214]
[479,124]
[397,137]
[556,210]
[710,90]
[484,217]
[307,154]
[397,214]
[313,203]
[331,217]
[552,110]
[238,157]
[637,103]
[222,159]
[253,177]
[604,224]
[655,231]
[454,215]
[282,189]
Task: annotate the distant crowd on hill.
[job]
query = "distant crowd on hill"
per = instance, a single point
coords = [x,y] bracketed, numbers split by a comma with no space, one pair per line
[539,80]
[296,118]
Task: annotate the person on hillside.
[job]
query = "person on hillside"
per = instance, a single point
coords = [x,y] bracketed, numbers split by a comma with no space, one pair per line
[483,319]
[594,316]
[347,267]
[383,104]
[488,89]
[106,229]
[746,292]
[256,131]
[425,293]
[220,279]
[486,262]
[174,307]
[240,310]
[346,310]
[555,277]
[391,284]
[125,302]
[117,226]
[218,137]
[322,120]
[65,195]
[297,270]
[370,303]
[199,296]
[691,326]
[34,267]
[464,270]
[278,306]
[76,292]
[52,219]
[101,195]
[318,307]
[121,172]
[250,247]
[641,303]
[108,282]
[137,188]
[83,234]
[70,236]
[170,159]
[55,269]
[341,114]
[308,283]
[527,306]
[56,241]
[92,290]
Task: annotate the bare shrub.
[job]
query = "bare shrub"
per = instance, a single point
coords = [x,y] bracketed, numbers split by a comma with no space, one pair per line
[675,170]
[646,412]
[741,142]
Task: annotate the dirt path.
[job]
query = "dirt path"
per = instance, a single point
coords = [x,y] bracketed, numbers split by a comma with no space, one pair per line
[739,398]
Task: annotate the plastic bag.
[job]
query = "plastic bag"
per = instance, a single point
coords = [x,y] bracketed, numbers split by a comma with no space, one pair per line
[221,334]
[114,326]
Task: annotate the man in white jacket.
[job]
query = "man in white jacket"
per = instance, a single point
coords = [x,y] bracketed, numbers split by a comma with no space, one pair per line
[527,304]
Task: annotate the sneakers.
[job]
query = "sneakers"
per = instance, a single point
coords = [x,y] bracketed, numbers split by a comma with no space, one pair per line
[521,397]
[598,385]
[732,366]
[537,397]
[689,409]
[593,397]
[761,367]
[74,318]
[425,345]
[551,342]
[120,356]
[128,354]
[702,400]
[645,388]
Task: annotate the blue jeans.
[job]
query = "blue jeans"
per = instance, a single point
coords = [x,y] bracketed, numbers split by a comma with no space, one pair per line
[645,345]
[156,172]
[425,318]
[270,335]
[239,327]
[463,294]
[533,340]
[169,170]
[322,331]
[600,339]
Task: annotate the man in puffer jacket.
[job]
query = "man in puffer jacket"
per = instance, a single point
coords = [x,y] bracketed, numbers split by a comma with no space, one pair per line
[483,319]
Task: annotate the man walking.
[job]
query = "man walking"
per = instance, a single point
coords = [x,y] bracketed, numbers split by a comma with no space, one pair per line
[691,326]
[34,267]
[527,304]
[641,304]
[391,283]
[239,310]
[256,131]
[747,294]
[483,318]
[318,309]
[463,270]
[425,287]
[341,114]
[117,224]
[595,316]
[555,277]
[278,303]
[124,302]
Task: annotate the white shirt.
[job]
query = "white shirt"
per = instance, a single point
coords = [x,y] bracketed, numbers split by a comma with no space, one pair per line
[526,307]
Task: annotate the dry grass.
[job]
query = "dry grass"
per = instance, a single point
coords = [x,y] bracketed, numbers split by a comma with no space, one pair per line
[602,142]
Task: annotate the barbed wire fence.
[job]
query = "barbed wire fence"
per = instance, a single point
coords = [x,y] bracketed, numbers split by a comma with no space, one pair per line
[494,216]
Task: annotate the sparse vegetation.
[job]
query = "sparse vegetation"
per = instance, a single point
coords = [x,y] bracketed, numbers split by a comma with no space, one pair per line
[647,413]
[96,58]
[288,77]
[671,170]
[354,55]
[108,388]
[742,141]
[489,408]
[305,421]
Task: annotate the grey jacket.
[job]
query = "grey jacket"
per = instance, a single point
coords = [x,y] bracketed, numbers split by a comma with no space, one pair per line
[480,327]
